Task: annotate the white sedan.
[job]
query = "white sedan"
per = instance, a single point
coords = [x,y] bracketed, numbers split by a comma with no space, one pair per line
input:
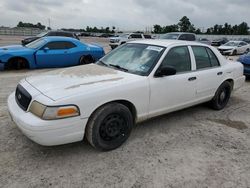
[132,83]
[234,48]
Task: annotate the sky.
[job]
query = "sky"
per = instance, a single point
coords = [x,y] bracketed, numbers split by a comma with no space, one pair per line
[123,14]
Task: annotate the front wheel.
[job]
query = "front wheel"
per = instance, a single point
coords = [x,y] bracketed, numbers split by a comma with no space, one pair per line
[109,127]
[222,96]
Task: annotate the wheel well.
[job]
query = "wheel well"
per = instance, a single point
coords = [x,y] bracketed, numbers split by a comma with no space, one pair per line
[17,63]
[87,58]
[126,103]
[231,83]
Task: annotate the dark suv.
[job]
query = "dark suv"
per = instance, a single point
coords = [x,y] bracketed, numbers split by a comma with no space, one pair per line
[49,33]
[179,36]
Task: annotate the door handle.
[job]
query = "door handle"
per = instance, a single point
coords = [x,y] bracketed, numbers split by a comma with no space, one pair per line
[219,73]
[192,78]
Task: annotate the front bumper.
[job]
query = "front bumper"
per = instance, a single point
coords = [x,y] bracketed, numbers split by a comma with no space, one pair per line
[226,52]
[47,133]
[113,45]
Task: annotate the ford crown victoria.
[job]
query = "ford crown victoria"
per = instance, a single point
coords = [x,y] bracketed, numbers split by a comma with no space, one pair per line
[136,81]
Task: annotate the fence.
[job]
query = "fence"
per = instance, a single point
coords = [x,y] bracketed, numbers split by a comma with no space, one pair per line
[19,31]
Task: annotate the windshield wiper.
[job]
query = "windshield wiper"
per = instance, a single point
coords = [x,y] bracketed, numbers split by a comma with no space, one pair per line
[102,63]
[118,67]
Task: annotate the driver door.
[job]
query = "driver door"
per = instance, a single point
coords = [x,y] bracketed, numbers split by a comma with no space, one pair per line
[170,93]
[54,54]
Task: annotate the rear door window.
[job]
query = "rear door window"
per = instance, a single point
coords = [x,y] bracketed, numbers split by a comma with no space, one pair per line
[201,57]
[213,59]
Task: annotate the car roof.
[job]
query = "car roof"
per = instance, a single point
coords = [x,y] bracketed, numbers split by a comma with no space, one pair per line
[166,43]
[236,41]
[59,38]
[180,33]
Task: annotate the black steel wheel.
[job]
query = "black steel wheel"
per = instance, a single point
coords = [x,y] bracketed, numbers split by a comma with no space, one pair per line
[222,96]
[109,127]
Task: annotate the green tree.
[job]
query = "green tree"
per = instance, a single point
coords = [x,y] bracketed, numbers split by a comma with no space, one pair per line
[157,29]
[185,25]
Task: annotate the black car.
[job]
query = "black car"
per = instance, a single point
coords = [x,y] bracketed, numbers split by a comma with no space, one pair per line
[49,33]
[219,42]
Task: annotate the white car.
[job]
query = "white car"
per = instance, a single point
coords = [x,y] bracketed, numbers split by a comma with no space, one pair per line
[234,48]
[122,39]
[135,82]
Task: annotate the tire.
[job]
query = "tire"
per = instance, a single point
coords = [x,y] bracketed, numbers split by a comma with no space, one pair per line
[17,64]
[109,127]
[247,50]
[221,96]
[234,52]
[84,60]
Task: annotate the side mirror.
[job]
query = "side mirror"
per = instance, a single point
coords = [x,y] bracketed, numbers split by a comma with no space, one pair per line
[46,49]
[165,71]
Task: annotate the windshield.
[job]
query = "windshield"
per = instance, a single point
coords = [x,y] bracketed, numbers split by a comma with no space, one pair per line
[42,34]
[36,44]
[232,44]
[124,35]
[170,36]
[134,58]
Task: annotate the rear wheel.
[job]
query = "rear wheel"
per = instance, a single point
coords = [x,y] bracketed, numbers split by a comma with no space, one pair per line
[247,50]
[84,60]
[222,96]
[109,127]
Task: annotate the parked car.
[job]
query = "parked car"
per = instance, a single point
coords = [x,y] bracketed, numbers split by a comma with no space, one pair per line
[122,39]
[49,52]
[247,40]
[49,33]
[179,36]
[135,82]
[205,41]
[234,48]
[219,42]
[106,35]
[245,60]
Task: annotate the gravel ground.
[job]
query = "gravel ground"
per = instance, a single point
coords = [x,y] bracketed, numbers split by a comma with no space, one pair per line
[195,147]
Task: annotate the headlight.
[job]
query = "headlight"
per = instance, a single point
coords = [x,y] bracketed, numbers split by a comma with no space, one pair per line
[117,40]
[53,112]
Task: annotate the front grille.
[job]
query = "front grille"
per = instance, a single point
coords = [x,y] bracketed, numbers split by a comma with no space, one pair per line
[23,98]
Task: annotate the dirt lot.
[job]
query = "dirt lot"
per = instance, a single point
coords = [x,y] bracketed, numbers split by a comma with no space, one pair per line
[195,147]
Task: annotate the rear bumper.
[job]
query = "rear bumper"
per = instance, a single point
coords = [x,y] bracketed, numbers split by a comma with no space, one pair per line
[238,82]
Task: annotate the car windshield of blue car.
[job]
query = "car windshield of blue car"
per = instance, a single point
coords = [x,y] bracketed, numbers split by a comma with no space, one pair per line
[134,58]
[170,36]
[42,34]
[231,44]
[36,44]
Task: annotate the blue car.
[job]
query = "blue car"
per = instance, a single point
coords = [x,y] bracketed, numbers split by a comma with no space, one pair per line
[245,60]
[49,52]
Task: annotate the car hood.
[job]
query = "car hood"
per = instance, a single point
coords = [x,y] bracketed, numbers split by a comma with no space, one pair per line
[227,47]
[13,48]
[115,38]
[81,79]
